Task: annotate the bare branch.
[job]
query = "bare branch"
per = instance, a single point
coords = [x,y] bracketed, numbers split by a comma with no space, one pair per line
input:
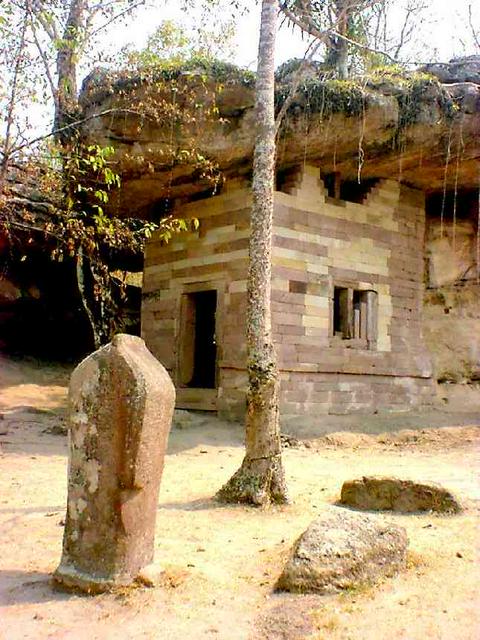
[73,125]
[364,47]
[306,24]
[48,26]
[42,53]
[475,33]
[118,16]
[31,227]
[8,148]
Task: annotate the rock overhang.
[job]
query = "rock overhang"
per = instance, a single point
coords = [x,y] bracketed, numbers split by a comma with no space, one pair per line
[411,128]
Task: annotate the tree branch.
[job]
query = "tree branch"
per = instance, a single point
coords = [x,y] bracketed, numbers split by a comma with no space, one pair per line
[364,47]
[305,24]
[475,35]
[72,125]
[30,227]
[42,54]
[8,149]
[118,16]
[50,28]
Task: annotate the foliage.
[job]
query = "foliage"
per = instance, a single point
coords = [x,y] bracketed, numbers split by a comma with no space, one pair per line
[171,41]
[318,94]
[78,178]
[82,231]
[286,71]
[164,74]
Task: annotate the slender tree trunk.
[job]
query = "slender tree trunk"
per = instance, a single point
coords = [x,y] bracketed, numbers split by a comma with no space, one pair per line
[66,112]
[343,12]
[342,60]
[260,480]
[79,271]
[66,102]
[337,54]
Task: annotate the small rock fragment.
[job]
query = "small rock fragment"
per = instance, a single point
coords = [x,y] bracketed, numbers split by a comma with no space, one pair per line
[151,576]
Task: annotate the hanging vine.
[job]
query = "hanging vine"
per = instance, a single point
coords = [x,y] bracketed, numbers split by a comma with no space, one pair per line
[460,148]
[445,176]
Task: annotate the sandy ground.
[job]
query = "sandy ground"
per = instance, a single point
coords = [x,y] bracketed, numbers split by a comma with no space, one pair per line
[221,563]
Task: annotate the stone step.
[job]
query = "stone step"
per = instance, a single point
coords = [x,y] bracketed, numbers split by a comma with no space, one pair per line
[196,399]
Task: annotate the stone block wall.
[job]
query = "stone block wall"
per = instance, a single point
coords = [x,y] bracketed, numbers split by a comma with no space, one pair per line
[370,253]
[215,257]
[377,246]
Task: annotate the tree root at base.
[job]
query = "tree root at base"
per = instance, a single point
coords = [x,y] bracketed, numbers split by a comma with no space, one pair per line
[258,482]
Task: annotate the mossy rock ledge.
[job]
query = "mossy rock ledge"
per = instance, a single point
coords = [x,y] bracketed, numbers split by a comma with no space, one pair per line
[404,124]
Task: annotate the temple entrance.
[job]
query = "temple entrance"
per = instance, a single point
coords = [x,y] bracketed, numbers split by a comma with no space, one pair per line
[198,349]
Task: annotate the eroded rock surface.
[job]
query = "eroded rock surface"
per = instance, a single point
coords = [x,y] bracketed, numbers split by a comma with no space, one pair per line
[464,69]
[342,550]
[121,404]
[393,494]
[403,127]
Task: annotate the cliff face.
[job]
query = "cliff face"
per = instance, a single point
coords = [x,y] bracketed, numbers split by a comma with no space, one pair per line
[416,129]
[451,312]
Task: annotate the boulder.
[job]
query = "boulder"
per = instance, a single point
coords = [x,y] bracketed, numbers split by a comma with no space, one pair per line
[342,550]
[393,494]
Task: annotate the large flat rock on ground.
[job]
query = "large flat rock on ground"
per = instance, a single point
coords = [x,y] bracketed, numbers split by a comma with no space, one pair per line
[341,550]
[376,493]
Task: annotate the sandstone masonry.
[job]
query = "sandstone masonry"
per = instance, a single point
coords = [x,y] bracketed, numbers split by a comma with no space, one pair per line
[347,290]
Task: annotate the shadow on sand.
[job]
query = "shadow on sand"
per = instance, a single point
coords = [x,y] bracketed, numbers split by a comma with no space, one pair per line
[30,587]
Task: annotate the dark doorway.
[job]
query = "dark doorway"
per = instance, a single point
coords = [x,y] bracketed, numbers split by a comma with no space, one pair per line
[198,346]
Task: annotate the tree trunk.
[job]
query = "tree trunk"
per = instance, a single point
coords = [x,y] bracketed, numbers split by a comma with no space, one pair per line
[260,480]
[6,146]
[342,59]
[66,102]
[337,52]
[79,271]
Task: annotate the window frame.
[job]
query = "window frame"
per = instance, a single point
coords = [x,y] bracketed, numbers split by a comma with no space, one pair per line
[354,316]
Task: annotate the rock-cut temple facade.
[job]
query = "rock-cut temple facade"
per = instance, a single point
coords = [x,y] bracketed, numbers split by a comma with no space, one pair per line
[347,292]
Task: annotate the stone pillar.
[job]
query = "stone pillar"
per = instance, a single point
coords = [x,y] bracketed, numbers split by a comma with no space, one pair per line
[121,405]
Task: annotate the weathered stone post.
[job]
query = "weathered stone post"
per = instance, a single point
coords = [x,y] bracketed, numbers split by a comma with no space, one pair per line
[121,403]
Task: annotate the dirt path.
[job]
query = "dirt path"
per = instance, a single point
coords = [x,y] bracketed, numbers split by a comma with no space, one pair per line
[222,562]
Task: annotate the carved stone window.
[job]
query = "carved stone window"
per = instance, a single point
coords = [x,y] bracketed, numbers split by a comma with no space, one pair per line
[354,317]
